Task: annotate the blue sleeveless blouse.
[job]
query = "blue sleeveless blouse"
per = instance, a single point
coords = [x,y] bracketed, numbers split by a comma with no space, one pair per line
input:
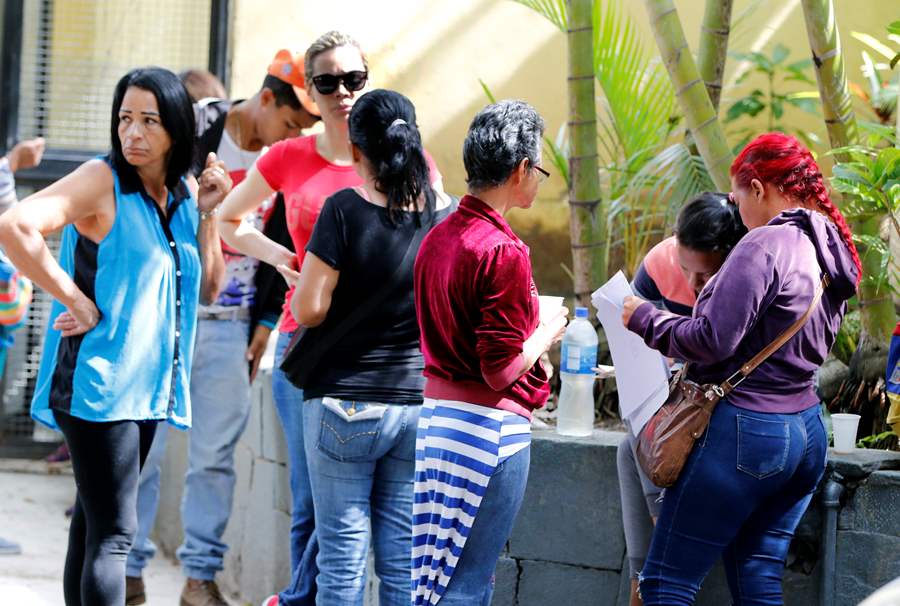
[144,278]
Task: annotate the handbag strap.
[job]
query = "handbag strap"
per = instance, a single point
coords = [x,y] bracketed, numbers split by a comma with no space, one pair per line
[741,374]
[361,311]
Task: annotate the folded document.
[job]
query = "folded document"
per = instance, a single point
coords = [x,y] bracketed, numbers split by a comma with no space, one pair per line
[642,375]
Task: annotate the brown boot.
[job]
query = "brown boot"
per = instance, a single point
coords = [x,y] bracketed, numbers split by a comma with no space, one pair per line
[134,591]
[201,593]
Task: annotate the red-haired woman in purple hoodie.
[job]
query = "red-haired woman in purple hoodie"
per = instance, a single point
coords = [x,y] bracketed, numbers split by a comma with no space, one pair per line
[751,476]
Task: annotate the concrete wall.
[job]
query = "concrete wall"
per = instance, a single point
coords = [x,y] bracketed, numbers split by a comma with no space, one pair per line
[568,541]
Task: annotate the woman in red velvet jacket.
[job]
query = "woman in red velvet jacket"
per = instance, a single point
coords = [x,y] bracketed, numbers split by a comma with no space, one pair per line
[477,307]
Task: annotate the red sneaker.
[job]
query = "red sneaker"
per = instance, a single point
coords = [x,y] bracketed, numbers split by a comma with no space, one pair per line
[60,455]
[272,600]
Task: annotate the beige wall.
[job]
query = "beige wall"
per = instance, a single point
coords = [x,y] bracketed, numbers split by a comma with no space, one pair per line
[435,52]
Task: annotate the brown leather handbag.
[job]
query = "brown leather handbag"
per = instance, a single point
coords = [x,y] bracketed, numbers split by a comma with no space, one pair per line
[668,437]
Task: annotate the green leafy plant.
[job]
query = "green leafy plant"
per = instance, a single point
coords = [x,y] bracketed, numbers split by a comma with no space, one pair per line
[870,183]
[646,173]
[847,339]
[775,99]
[869,180]
[886,440]
[883,85]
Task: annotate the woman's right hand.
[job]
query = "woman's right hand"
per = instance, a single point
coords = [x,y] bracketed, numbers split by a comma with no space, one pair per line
[80,318]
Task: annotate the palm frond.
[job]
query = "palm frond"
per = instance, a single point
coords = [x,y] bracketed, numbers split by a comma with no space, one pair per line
[655,194]
[553,10]
[639,99]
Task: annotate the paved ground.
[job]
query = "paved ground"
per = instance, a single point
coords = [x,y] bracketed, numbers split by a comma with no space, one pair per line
[32,503]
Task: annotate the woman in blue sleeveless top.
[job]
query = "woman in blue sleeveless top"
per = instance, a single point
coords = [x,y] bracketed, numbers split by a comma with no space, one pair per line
[139,247]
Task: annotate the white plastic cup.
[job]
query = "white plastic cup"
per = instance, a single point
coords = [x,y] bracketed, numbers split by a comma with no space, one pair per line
[845,426]
[549,307]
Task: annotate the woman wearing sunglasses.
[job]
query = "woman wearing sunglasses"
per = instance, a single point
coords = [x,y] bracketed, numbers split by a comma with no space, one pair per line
[306,170]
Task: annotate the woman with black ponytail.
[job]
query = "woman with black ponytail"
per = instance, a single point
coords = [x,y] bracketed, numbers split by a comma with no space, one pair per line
[364,389]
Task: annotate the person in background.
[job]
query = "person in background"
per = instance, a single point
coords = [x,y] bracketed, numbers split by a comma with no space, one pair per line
[477,308]
[671,276]
[751,475]
[202,84]
[232,333]
[139,248]
[15,289]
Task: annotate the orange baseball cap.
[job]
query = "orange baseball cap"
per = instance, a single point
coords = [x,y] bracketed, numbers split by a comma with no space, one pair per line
[288,67]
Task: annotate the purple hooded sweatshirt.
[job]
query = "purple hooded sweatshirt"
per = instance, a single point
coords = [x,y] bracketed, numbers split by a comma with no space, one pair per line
[767,282]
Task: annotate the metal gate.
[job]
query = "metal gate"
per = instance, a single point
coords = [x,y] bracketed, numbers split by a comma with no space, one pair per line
[59,62]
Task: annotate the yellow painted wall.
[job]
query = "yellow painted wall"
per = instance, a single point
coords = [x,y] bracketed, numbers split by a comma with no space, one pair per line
[435,52]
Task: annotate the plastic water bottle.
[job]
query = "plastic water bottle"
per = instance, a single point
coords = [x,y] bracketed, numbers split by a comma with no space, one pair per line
[575,413]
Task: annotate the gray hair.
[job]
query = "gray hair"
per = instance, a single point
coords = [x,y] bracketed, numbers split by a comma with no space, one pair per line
[500,137]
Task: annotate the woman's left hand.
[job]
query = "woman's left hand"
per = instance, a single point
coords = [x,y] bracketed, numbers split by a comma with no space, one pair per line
[629,305]
[215,183]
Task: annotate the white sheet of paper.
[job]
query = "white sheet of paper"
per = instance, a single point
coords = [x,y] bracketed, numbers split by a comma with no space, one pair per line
[639,417]
[615,290]
[641,375]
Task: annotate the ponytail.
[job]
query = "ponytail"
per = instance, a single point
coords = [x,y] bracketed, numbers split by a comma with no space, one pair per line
[383,127]
[708,223]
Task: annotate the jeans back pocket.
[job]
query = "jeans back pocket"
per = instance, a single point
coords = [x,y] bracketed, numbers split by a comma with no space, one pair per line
[762,445]
[349,430]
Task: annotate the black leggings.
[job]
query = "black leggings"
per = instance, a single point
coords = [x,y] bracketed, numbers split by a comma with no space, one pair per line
[106,461]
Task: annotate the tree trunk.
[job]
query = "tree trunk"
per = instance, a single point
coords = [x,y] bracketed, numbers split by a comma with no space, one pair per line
[690,90]
[864,391]
[587,222]
[713,48]
[877,308]
[825,43]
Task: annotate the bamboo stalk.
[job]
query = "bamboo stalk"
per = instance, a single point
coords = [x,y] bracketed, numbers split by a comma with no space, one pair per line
[713,49]
[690,90]
[876,306]
[828,59]
[590,242]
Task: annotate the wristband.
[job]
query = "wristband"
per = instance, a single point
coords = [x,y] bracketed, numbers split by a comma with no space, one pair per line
[209,214]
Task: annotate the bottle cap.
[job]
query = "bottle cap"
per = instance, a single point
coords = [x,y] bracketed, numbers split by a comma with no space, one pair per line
[581,312]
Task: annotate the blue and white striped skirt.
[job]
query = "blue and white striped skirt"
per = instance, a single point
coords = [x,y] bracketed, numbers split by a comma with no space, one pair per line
[458,447]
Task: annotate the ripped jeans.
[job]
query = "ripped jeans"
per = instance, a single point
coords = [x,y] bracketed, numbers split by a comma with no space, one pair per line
[740,495]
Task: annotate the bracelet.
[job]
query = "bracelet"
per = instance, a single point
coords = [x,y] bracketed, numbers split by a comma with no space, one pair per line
[209,214]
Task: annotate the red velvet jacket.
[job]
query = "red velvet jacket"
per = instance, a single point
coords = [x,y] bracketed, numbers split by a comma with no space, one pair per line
[477,304]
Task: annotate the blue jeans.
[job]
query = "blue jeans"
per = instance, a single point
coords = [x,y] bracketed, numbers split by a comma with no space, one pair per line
[361,459]
[220,407]
[289,404]
[472,583]
[740,495]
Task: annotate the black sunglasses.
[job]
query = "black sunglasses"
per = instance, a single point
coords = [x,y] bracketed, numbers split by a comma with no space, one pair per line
[328,83]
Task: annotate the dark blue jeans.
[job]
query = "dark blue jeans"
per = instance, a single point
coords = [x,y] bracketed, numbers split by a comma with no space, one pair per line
[740,495]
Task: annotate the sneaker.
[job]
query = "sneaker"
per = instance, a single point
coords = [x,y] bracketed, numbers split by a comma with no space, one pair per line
[272,600]
[201,593]
[60,455]
[11,548]
[134,591]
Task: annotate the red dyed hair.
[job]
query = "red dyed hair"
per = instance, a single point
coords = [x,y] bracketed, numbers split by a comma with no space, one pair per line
[782,161]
